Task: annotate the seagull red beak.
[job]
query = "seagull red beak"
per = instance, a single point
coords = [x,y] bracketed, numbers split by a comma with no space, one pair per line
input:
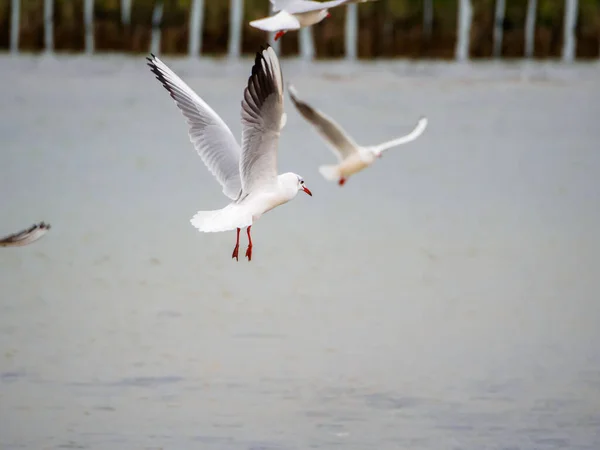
[305,189]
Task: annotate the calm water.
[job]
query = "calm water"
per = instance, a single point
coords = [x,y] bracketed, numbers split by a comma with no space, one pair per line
[447,298]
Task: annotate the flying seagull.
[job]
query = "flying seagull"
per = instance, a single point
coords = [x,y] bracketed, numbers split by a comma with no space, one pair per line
[248,174]
[25,237]
[296,14]
[352,158]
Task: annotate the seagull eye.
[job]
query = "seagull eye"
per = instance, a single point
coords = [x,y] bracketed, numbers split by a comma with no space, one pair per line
[301,181]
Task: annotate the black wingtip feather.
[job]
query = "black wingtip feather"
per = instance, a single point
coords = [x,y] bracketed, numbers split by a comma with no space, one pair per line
[262,83]
[160,76]
[259,54]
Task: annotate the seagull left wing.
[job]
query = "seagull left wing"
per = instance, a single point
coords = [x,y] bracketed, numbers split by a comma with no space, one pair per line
[210,136]
[336,138]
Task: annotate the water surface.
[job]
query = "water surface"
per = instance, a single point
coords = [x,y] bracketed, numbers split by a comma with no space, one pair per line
[447,298]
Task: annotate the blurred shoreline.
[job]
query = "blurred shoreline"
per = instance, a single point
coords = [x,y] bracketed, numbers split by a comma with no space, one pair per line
[516,70]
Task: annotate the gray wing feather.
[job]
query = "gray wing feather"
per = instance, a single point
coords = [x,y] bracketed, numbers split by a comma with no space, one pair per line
[279,5]
[334,135]
[297,7]
[25,237]
[210,136]
[262,120]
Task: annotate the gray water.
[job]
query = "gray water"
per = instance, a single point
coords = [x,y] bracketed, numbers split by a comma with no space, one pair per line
[446,298]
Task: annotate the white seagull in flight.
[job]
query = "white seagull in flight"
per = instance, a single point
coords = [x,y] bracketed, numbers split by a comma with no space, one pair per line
[296,14]
[248,174]
[25,237]
[352,158]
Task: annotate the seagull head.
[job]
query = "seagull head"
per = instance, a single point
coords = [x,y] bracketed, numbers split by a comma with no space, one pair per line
[292,183]
[302,187]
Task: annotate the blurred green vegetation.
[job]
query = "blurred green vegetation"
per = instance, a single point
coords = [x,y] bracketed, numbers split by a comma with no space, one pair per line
[387,28]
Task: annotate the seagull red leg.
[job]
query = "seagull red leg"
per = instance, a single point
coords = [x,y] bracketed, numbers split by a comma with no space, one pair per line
[237,246]
[279,34]
[249,249]
[342,181]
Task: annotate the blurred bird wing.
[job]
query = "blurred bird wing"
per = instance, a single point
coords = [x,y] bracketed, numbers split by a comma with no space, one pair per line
[334,135]
[25,237]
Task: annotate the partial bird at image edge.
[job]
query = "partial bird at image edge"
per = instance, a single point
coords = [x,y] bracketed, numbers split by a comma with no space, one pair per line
[25,237]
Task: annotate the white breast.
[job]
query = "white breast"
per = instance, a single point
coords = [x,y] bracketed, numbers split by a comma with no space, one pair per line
[353,164]
[262,202]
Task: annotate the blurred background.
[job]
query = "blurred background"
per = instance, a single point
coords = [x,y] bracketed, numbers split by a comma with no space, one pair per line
[444,298]
[386,28]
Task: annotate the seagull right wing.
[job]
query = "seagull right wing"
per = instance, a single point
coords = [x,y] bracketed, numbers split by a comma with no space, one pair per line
[414,134]
[280,21]
[25,237]
[336,138]
[211,137]
[262,120]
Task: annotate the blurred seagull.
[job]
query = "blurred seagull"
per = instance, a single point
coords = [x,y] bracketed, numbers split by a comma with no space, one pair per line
[248,174]
[25,237]
[352,157]
[296,14]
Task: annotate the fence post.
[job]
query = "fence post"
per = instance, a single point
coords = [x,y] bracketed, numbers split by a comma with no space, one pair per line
[156,21]
[126,12]
[351,31]
[236,13]
[427,18]
[88,13]
[196,21]
[307,43]
[49,25]
[15,25]
[530,28]
[570,20]
[465,14]
[275,44]
[499,27]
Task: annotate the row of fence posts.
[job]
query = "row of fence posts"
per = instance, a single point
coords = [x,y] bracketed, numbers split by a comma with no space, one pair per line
[306,42]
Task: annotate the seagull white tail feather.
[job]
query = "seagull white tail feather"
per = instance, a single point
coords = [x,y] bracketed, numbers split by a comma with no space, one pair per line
[331,172]
[225,219]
